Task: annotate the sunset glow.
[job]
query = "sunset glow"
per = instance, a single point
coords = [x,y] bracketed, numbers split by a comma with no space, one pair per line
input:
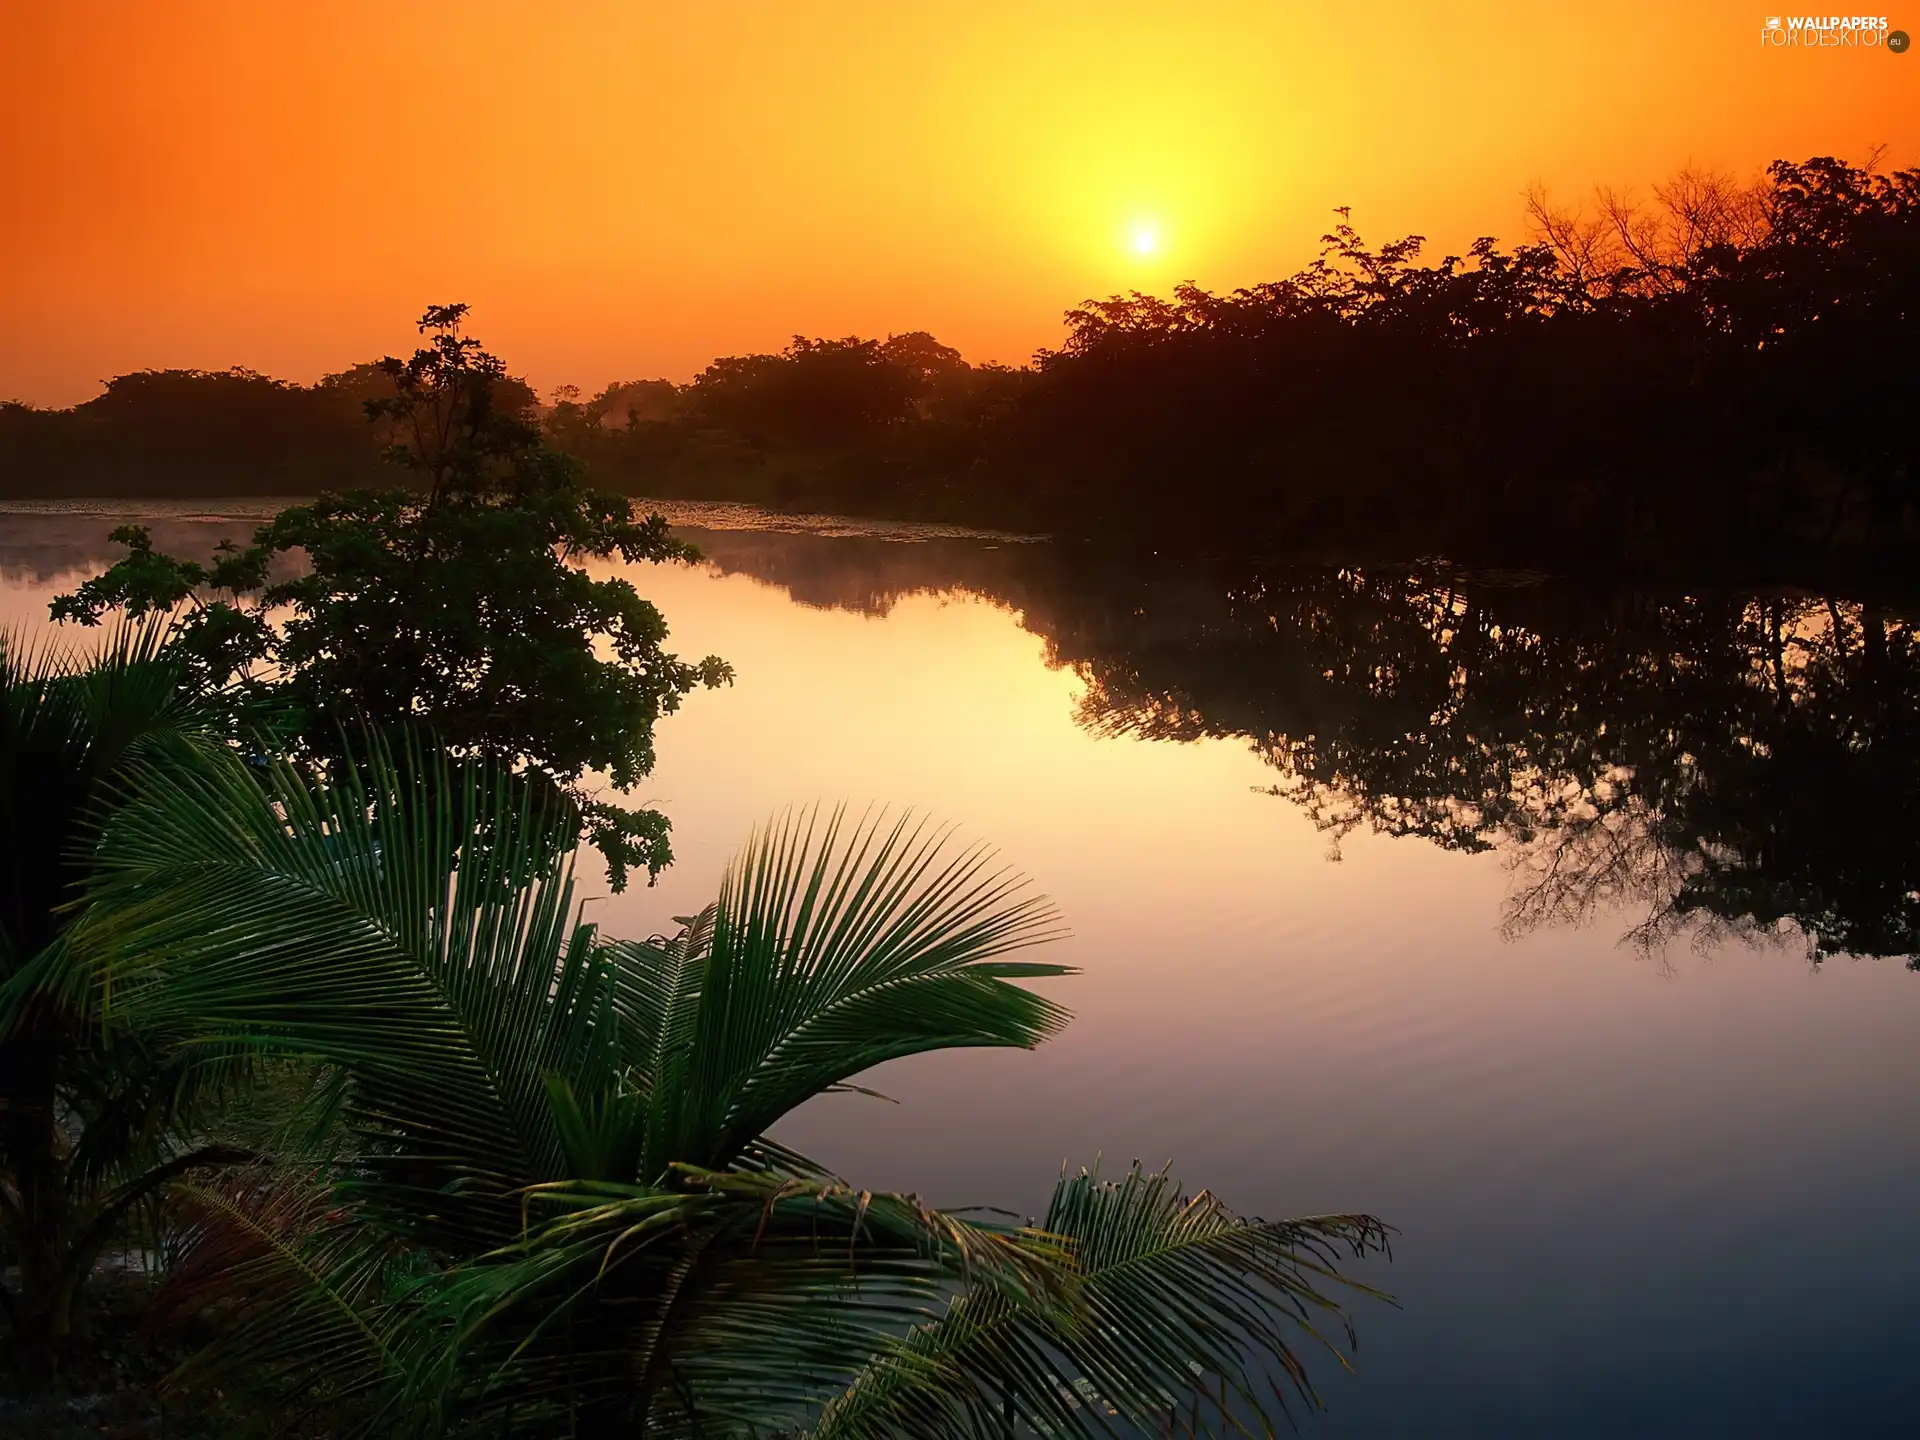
[627,189]
[562,565]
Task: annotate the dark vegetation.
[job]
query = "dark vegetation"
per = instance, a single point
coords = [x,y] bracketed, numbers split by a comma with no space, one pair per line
[454,601]
[301,1023]
[1720,380]
[207,433]
[1717,378]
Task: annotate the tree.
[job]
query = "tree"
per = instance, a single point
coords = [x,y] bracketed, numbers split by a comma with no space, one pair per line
[94,1121]
[815,393]
[555,1206]
[457,601]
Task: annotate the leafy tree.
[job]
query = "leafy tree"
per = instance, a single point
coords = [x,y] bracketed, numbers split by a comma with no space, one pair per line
[591,428]
[456,600]
[815,393]
[555,1206]
[926,362]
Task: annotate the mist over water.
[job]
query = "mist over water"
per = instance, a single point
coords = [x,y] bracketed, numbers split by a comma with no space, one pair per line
[1520,958]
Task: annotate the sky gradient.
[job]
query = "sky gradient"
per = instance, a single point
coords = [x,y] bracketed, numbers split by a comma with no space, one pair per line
[625,190]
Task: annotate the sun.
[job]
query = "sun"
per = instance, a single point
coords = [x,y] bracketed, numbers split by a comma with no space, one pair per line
[1145,239]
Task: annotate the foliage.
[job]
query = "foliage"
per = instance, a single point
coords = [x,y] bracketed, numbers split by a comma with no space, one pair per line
[1708,378]
[1165,1289]
[188,432]
[1707,386]
[95,1120]
[458,601]
[815,392]
[849,424]
[551,1204]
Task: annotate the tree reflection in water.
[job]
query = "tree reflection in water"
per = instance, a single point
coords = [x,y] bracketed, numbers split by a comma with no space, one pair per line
[1728,763]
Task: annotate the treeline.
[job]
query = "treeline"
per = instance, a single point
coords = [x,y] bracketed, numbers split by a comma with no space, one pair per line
[903,427]
[191,433]
[1722,375]
[1715,378]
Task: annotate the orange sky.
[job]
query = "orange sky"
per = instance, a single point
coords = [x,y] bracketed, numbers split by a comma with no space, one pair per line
[627,189]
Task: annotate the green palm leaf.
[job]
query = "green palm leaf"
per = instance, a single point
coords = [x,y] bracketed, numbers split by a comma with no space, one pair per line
[1169,1291]
[71,721]
[833,948]
[407,920]
[301,1296]
[571,1135]
[94,1121]
[727,1302]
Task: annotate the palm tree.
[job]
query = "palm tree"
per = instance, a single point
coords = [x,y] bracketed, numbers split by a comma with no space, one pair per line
[550,1202]
[94,1122]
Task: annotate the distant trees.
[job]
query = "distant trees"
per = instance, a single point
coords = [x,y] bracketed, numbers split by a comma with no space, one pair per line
[814,393]
[1717,374]
[853,424]
[205,433]
[828,393]
[187,432]
[1704,378]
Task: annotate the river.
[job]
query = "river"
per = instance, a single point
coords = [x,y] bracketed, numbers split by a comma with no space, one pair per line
[1566,931]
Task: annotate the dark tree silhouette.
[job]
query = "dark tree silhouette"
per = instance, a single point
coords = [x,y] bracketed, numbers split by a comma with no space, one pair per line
[450,602]
[1712,382]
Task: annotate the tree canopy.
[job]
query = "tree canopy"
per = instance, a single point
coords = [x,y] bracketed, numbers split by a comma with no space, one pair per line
[459,601]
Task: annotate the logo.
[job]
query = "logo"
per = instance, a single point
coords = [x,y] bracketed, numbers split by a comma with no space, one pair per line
[1831,32]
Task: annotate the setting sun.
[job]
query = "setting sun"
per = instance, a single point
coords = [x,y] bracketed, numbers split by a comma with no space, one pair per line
[657,185]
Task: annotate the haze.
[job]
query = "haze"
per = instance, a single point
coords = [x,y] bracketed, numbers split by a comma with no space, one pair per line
[627,190]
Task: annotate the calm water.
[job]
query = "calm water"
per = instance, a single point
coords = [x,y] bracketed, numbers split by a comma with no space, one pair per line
[1518,957]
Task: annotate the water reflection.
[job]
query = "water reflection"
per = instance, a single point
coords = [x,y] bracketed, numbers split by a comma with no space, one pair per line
[1606,1177]
[1726,764]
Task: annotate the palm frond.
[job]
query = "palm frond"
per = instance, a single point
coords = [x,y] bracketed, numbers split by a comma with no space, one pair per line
[299,1295]
[407,920]
[1172,1291]
[739,1300]
[70,719]
[571,1134]
[834,948]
